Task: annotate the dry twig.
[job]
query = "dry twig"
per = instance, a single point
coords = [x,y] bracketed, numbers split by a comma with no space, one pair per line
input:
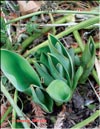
[95,90]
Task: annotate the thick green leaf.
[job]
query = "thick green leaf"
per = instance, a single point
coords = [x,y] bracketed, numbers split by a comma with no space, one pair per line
[61,49]
[88,59]
[44,68]
[44,60]
[77,76]
[77,60]
[72,55]
[59,91]
[45,75]
[53,70]
[42,98]
[64,63]
[88,52]
[18,70]
[62,59]
[60,69]
[41,50]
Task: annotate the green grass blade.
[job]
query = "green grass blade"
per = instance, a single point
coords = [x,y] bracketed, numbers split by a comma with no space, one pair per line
[87,121]
[16,108]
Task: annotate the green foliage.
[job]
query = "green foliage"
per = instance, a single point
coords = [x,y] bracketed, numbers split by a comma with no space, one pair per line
[87,59]
[5,42]
[32,27]
[18,70]
[59,91]
[3,32]
[42,98]
[59,69]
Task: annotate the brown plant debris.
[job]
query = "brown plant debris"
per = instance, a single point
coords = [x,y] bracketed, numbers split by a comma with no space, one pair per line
[39,116]
[60,118]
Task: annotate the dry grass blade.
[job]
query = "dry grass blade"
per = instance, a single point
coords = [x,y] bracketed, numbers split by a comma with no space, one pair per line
[95,90]
[40,118]
[97,66]
[61,116]
[4,108]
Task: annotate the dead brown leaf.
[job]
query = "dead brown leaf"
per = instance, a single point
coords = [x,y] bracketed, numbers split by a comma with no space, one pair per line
[28,7]
[3,109]
[74,45]
[41,121]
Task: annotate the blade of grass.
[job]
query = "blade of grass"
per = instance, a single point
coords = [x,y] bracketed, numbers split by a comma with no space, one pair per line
[55,11]
[6,114]
[78,39]
[52,20]
[68,30]
[17,109]
[78,50]
[14,112]
[94,74]
[94,90]
[88,120]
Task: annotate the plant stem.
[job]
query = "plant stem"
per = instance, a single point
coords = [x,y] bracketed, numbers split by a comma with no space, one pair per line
[94,74]
[55,11]
[78,50]
[52,20]
[88,120]
[78,39]
[17,109]
[29,40]
[6,114]
[66,32]
[14,112]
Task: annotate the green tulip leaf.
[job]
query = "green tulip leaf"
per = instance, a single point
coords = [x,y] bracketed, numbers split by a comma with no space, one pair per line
[77,60]
[60,69]
[88,53]
[88,59]
[72,55]
[62,59]
[77,76]
[54,42]
[58,47]
[44,74]
[44,68]
[59,91]
[18,70]
[64,63]
[42,98]
[53,70]
[44,60]
[42,49]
